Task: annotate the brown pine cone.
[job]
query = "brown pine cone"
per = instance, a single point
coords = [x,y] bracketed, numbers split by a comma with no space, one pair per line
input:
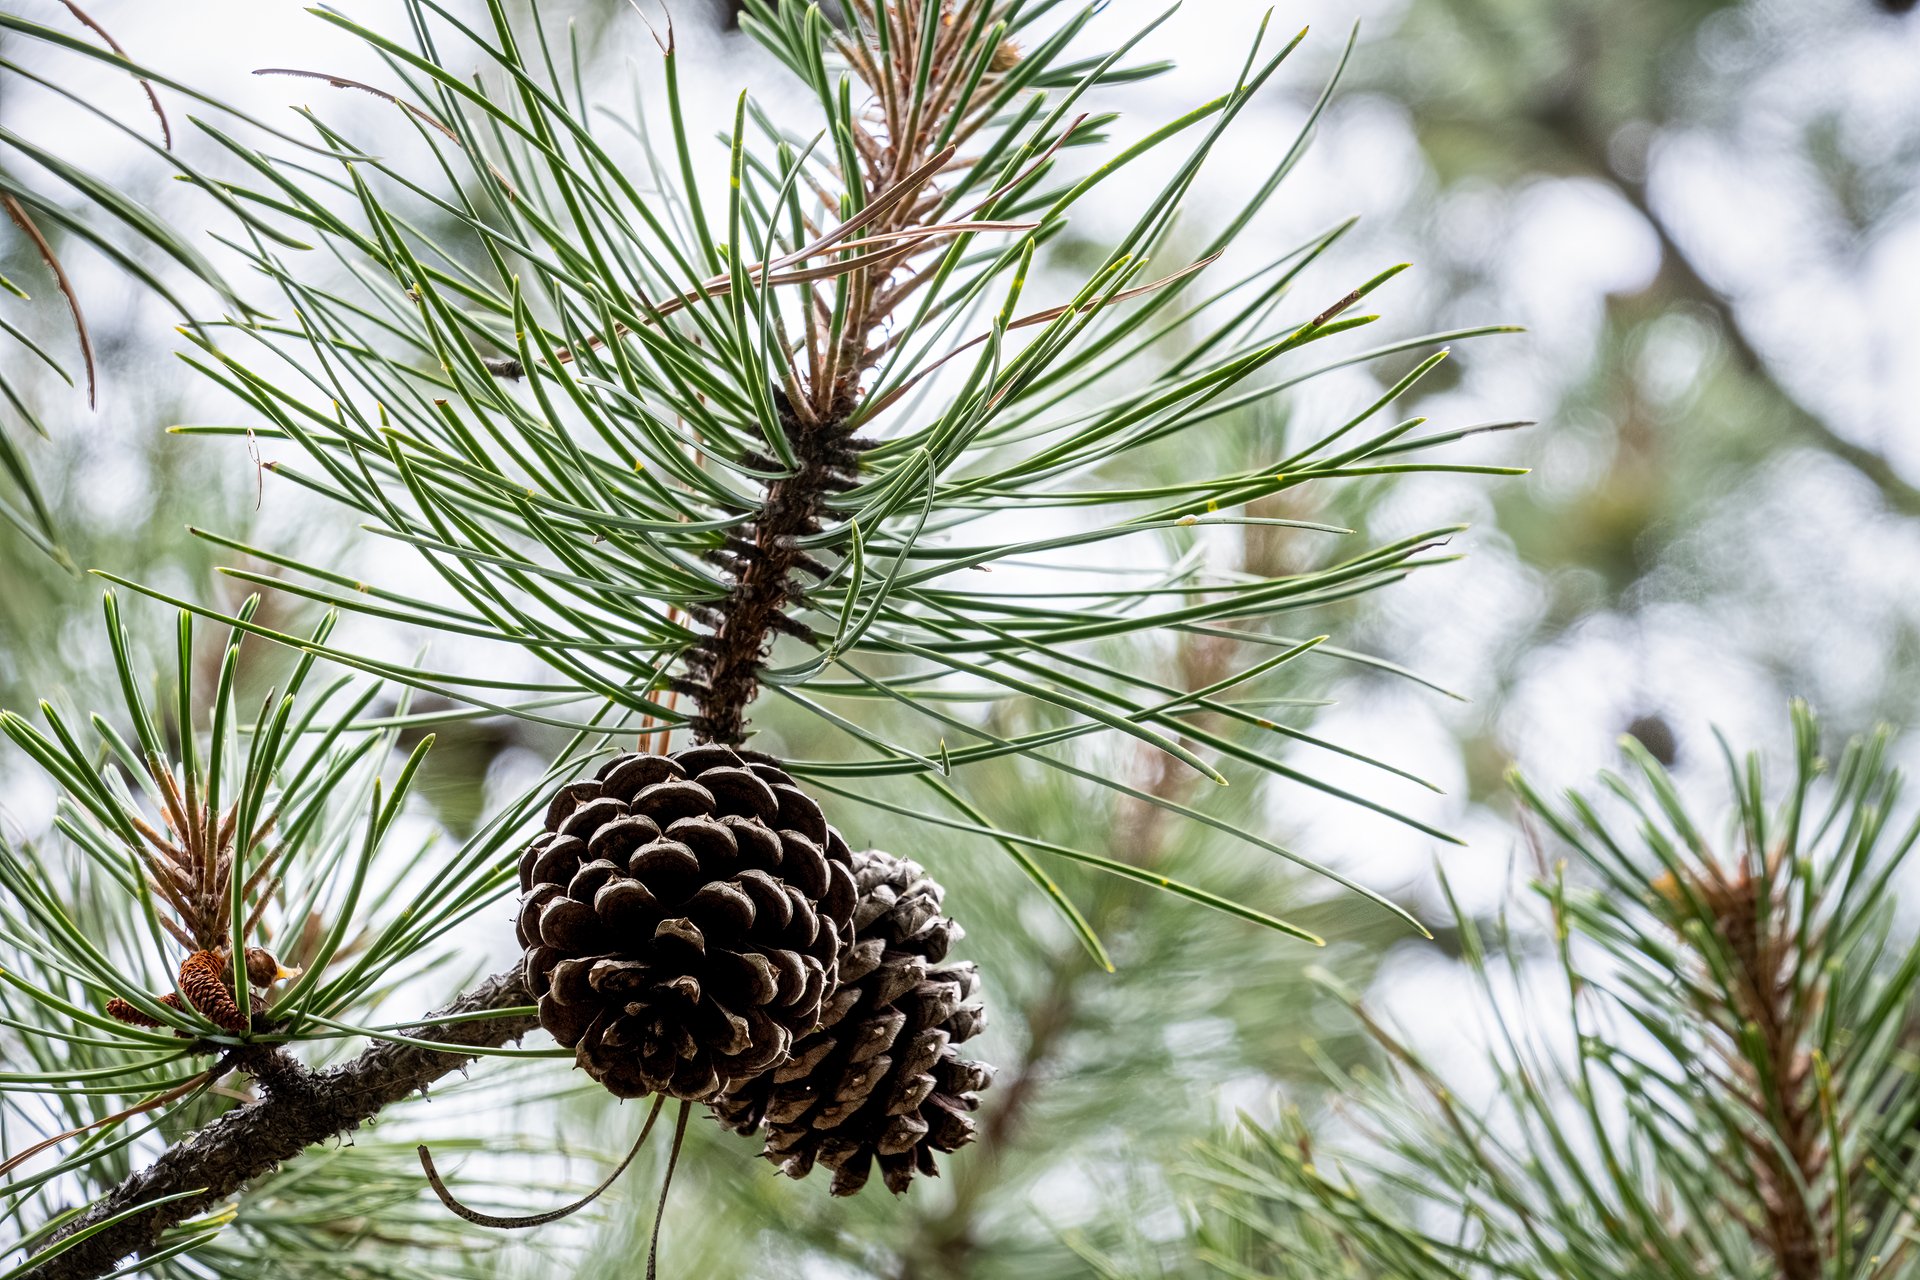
[205,977]
[881,1080]
[125,1011]
[683,920]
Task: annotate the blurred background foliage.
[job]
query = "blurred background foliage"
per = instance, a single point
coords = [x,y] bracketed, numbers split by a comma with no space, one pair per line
[1707,213]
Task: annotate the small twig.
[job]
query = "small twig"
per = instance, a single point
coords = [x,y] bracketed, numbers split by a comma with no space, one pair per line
[552,1215]
[1041,317]
[159,1100]
[166,130]
[342,82]
[720,286]
[48,256]
[1038,161]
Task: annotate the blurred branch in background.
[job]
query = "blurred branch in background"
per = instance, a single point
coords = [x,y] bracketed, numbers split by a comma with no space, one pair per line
[1706,211]
[1570,115]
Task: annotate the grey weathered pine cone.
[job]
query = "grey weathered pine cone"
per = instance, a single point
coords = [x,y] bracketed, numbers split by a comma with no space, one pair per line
[683,919]
[882,1080]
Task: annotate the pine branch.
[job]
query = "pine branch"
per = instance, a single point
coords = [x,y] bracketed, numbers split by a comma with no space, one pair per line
[1773,1075]
[695,490]
[1571,116]
[725,667]
[297,1109]
[901,162]
[1741,1101]
[632,512]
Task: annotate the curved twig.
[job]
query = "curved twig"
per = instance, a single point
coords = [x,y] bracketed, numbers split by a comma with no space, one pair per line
[48,256]
[80,15]
[479,1219]
[660,1213]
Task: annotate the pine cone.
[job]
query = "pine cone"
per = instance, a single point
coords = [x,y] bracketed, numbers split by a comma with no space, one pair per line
[125,1011]
[881,1079]
[683,920]
[204,976]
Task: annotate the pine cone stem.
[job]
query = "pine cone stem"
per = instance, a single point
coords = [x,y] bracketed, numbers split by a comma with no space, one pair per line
[479,1219]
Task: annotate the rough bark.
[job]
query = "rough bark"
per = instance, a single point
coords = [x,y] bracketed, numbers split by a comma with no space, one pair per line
[296,1109]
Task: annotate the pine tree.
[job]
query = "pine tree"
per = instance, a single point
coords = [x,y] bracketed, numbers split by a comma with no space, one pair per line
[680,466]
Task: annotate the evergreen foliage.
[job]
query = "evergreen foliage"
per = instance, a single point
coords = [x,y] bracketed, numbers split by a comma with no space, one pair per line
[1723,1082]
[671,461]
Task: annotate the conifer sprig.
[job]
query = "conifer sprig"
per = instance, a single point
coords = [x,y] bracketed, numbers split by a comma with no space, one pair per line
[1728,1089]
[189,827]
[668,450]
[660,447]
